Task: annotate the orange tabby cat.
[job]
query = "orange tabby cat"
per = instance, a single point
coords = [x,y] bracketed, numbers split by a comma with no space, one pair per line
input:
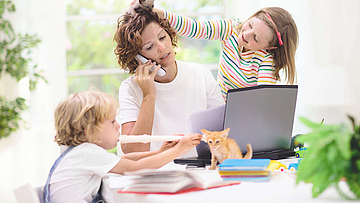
[223,148]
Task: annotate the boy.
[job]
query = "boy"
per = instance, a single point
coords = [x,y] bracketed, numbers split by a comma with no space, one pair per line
[85,128]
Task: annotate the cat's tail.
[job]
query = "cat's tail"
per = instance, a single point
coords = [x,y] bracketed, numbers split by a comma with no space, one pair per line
[249,152]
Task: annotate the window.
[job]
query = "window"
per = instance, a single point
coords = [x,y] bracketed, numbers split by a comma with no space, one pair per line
[91,24]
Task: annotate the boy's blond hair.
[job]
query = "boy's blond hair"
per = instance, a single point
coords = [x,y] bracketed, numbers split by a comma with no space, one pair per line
[79,117]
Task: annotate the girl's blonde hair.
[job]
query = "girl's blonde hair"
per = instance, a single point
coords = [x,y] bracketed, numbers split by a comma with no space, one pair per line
[284,55]
[128,36]
[79,117]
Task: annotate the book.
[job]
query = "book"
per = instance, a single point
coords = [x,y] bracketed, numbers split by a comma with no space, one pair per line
[244,164]
[249,179]
[254,170]
[244,173]
[172,181]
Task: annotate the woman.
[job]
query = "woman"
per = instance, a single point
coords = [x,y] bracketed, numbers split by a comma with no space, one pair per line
[153,104]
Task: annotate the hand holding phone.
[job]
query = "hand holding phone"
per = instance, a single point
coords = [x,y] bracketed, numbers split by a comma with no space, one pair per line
[142,59]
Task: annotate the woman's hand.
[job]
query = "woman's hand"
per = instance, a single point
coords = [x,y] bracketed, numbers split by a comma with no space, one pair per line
[145,79]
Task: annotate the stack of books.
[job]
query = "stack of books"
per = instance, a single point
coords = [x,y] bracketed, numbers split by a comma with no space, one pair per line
[254,170]
[149,181]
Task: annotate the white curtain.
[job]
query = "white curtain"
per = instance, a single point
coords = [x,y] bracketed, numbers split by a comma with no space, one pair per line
[27,156]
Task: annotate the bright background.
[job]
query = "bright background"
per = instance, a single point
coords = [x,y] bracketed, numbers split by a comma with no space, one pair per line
[76,54]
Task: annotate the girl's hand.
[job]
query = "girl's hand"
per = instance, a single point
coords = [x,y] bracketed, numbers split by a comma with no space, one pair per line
[147,5]
[188,142]
[145,79]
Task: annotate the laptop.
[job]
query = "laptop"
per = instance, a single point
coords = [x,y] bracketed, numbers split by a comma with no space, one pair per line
[261,115]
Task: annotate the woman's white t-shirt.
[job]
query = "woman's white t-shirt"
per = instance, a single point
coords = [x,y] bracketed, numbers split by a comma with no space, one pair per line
[193,89]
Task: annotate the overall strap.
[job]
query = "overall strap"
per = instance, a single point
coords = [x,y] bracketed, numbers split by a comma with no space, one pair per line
[98,197]
[47,185]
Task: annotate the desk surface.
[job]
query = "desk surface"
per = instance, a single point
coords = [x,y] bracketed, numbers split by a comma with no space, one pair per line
[280,188]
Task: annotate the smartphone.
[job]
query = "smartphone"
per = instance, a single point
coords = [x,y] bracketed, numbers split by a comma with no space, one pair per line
[142,59]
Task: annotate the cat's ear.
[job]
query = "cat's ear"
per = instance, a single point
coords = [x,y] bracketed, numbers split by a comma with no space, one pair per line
[204,131]
[225,132]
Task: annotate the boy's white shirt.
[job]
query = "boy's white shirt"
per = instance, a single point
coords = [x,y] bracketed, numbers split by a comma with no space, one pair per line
[78,175]
[193,89]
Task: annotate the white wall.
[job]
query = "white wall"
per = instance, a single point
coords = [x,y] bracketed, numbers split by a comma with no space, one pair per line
[329,33]
[27,155]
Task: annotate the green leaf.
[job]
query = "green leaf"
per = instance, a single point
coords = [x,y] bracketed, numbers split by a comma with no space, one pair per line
[308,123]
[10,112]
[333,152]
[343,142]
[9,34]
[11,7]
[15,52]
[352,121]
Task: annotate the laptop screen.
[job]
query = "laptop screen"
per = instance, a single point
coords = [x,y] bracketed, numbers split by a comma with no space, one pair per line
[262,116]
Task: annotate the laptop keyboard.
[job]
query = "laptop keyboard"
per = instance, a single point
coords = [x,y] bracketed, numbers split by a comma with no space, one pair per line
[274,155]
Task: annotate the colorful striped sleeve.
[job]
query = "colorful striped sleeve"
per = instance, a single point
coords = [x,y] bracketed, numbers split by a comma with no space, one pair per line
[266,69]
[192,28]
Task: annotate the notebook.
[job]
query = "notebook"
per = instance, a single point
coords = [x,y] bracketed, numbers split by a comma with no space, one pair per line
[261,115]
[244,164]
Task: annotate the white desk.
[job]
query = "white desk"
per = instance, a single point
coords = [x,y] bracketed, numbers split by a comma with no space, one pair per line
[280,188]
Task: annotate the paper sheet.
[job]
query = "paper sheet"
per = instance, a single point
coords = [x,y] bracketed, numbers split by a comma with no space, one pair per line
[209,119]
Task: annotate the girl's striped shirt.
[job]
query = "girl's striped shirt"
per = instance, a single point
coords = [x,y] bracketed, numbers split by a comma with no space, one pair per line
[237,69]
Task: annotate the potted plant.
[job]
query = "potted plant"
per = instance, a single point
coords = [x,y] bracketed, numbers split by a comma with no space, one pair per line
[15,50]
[333,155]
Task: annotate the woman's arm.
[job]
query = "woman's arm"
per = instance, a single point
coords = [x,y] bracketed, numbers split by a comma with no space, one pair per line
[145,118]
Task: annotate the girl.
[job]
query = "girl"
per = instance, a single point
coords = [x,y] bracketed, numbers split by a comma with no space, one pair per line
[85,128]
[154,104]
[253,52]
